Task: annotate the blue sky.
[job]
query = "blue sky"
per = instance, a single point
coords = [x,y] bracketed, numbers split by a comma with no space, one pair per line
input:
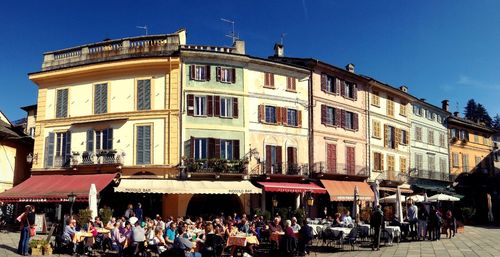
[445,49]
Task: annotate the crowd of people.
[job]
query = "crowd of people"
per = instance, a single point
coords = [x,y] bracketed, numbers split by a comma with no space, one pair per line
[133,234]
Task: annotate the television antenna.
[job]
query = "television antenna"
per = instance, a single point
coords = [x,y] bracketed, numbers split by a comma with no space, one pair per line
[232,34]
[145,28]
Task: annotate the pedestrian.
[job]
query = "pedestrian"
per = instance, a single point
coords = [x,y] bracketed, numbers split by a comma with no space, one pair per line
[376,223]
[138,236]
[27,220]
[129,212]
[423,218]
[439,223]
[138,212]
[450,224]
[412,214]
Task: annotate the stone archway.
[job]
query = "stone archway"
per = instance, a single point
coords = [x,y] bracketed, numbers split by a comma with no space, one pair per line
[207,205]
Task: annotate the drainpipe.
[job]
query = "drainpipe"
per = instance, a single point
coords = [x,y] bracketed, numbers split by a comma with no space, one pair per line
[181,67]
[311,124]
[368,138]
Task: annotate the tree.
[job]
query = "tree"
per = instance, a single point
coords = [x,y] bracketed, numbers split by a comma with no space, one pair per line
[482,115]
[470,110]
[496,122]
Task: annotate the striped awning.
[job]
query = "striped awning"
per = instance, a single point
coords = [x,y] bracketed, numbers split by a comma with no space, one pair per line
[344,190]
[164,186]
[284,187]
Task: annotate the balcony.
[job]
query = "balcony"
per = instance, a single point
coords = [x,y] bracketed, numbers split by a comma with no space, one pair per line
[426,174]
[155,45]
[288,169]
[216,166]
[110,157]
[341,169]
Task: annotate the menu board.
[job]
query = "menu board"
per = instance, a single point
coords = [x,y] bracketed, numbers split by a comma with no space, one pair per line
[41,223]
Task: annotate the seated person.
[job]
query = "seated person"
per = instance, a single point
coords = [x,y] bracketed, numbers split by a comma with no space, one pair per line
[159,241]
[98,223]
[68,235]
[305,236]
[231,230]
[295,226]
[117,238]
[182,244]
[336,221]
[347,220]
[170,234]
[275,226]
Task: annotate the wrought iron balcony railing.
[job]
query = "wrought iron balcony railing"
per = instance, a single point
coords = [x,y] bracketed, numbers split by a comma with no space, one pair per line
[341,169]
[427,174]
[285,169]
[216,166]
[98,158]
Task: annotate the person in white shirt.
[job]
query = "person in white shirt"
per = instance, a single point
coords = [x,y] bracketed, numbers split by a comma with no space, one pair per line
[295,226]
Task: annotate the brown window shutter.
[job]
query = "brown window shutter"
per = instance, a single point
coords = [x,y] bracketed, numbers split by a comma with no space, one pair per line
[235,107]
[262,113]
[386,135]
[323,114]
[233,75]
[382,164]
[397,137]
[338,117]
[294,83]
[355,121]
[268,159]
[289,155]
[278,155]
[284,116]
[192,71]
[342,88]
[217,106]
[266,79]
[295,155]
[208,73]
[211,148]
[299,119]
[271,79]
[331,158]
[338,85]
[217,148]
[236,149]
[217,75]
[342,118]
[278,115]
[376,161]
[323,82]
[210,106]
[190,105]
[407,136]
[355,91]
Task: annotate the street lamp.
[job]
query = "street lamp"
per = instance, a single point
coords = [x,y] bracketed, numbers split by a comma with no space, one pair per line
[310,203]
[275,204]
[71,199]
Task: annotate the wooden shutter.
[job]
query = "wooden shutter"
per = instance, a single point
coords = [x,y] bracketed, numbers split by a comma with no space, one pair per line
[140,145]
[190,105]
[218,73]
[272,79]
[291,155]
[192,71]
[331,162]
[207,72]
[342,88]
[140,95]
[323,114]
[268,159]
[59,103]
[351,161]
[386,135]
[90,140]
[67,148]
[233,75]
[278,155]
[65,103]
[147,144]
[382,164]
[342,118]
[97,99]
[278,115]
[338,117]
[109,142]
[147,94]
[355,91]
[262,113]
[408,135]
[211,148]
[49,150]
[217,106]
[323,82]
[338,85]
[284,116]
[299,119]
[210,106]
[355,121]
[236,149]
[216,154]
[266,79]
[376,161]
[235,107]
[397,137]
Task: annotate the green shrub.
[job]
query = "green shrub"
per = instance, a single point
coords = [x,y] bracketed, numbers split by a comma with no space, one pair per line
[106,214]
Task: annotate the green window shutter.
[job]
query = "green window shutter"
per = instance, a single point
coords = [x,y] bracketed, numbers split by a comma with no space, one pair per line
[100,98]
[140,145]
[147,145]
[109,139]
[67,148]
[49,150]
[140,95]
[90,140]
[65,103]
[144,94]
[97,99]
[62,103]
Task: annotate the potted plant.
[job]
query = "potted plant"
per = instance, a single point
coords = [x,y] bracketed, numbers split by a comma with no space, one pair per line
[105,214]
[46,247]
[84,215]
[36,247]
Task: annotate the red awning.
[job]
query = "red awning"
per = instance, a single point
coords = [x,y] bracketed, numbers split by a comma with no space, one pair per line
[344,190]
[55,188]
[292,187]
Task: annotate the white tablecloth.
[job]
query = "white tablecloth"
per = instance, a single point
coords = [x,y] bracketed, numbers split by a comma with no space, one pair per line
[315,226]
[395,231]
[345,231]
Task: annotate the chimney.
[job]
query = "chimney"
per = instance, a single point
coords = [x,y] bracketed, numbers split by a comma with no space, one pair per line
[422,99]
[403,88]
[239,46]
[279,50]
[350,67]
[455,114]
[445,105]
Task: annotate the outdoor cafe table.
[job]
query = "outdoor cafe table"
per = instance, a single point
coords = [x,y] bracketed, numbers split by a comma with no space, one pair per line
[242,240]
[103,231]
[394,231]
[82,235]
[344,230]
[315,227]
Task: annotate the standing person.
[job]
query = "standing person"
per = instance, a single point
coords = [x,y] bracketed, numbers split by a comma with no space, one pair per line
[138,236]
[305,236]
[433,223]
[129,212]
[376,222]
[450,224]
[27,220]
[423,218]
[412,214]
[138,212]
[439,223]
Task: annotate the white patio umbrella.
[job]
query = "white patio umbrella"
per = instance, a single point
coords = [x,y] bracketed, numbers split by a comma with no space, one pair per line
[399,209]
[93,201]
[355,204]
[444,198]
[376,191]
[490,207]
[391,199]
[416,198]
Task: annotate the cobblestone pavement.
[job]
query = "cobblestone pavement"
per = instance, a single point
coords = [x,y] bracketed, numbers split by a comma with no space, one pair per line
[475,241]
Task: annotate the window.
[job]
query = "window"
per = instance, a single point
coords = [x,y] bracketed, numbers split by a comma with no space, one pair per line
[378,161]
[439,119]
[199,72]
[465,162]
[100,98]
[200,148]
[455,162]
[464,135]
[402,165]
[226,75]
[291,157]
[419,161]
[391,165]
[418,134]
[226,149]
[349,120]
[58,149]
[417,110]
[442,165]
[431,163]
[331,158]
[200,105]
[404,137]
[291,84]
[350,90]
[428,114]
[433,116]
[143,145]
[271,114]
[329,115]
[329,84]
[402,108]
[375,98]
[99,140]
[226,105]
[476,137]
[454,133]
[430,137]
[441,140]
[292,119]
[273,159]
[350,160]
[390,136]
[485,140]
[268,80]
[62,103]
[390,106]
[376,129]
[144,94]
